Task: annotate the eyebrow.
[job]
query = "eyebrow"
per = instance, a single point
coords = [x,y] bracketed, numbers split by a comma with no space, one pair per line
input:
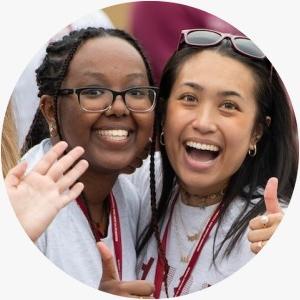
[198,87]
[230,93]
[193,85]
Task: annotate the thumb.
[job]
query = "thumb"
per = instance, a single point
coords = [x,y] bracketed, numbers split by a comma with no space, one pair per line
[15,174]
[270,196]
[109,270]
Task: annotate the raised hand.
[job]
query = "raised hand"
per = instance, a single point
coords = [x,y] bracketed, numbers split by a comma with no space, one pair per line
[111,283]
[38,196]
[261,228]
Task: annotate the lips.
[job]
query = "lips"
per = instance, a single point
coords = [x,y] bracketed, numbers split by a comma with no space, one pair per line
[202,152]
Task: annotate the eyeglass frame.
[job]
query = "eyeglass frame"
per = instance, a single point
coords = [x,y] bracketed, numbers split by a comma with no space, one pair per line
[184,33]
[77,91]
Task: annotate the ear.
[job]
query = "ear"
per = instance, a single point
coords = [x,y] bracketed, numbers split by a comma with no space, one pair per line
[257,134]
[47,108]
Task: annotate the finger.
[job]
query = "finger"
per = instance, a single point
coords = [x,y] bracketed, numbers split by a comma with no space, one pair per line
[257,246]
[140,288]
[71,176]
[273,219]
[72,194]
[50,157]
[270,196]
[62,165]
[15,174]
[260,222]
[261,234]
[109,271]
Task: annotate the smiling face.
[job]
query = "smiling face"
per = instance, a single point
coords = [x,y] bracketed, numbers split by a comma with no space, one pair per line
[111,139]
[210,120]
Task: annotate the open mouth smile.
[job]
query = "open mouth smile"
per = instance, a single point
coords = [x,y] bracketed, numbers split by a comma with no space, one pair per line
[113,134]
[202,152]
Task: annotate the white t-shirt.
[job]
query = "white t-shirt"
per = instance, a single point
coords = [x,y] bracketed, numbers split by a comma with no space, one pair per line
[187,220]
[68,241]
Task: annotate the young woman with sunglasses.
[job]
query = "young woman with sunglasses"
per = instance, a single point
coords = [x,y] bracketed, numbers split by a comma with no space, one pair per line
[96,91]
[226,128]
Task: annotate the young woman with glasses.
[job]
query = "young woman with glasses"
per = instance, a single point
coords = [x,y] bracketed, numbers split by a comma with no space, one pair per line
[226,130]
[96,91]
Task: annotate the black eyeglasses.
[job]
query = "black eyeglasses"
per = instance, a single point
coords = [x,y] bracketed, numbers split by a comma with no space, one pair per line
[210,38]
[99,99]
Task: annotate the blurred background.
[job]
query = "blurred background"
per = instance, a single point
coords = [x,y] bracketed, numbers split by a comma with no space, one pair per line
[156,25]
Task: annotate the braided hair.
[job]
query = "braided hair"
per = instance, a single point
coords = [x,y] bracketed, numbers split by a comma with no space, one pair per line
[54,69]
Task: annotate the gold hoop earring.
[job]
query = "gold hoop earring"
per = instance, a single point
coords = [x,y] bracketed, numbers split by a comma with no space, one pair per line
[252,152]
[52,129]
[161,138]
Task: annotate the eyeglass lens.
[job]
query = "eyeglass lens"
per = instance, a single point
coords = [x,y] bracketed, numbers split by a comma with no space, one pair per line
[99,99]
[203,38]
[207,38]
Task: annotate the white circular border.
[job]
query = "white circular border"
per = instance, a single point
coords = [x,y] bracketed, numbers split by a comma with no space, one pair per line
[25,26]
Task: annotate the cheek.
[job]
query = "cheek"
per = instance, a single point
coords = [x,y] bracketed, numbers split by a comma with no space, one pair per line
[237,141]
[75,125]
[176,120]
[144,125]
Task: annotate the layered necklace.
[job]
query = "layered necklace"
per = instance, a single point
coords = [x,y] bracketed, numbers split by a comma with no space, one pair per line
[200,238]
[188,240]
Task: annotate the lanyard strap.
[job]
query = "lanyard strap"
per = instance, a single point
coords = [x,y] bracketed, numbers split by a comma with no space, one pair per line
[160,267]
[116,228]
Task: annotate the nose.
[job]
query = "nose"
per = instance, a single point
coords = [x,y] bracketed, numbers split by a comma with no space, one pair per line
[117,108]
[205,120]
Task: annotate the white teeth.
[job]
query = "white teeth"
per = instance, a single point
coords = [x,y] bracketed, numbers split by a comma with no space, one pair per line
[203,146]
[117,134]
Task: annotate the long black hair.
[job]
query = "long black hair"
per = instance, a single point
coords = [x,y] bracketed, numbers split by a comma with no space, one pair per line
[54,69]
[277,153]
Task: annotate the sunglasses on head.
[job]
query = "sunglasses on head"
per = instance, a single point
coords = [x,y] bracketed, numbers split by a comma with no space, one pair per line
[210,38]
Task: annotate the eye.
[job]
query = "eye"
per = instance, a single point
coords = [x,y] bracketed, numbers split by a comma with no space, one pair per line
[189,99]
[229,105]
[137,93]
[93,92]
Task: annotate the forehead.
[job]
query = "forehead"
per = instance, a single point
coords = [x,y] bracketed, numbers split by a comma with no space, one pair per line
[106,54]
[216,71]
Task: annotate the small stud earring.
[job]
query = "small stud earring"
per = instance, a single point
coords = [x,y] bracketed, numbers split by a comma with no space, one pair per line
[52,129]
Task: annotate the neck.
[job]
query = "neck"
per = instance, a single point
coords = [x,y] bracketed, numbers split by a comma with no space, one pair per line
[201,200]
[97,188]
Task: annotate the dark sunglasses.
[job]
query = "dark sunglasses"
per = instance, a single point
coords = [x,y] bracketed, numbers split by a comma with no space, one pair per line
[210,38]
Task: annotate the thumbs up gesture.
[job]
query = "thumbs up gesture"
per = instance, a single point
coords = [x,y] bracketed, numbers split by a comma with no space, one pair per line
[261,228]
[111,283]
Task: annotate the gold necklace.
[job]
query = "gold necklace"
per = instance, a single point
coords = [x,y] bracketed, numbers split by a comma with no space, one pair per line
[201,201]
[190,237]
[183,258]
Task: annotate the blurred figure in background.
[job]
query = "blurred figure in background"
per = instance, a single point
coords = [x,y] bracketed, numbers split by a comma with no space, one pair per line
[9,149]
[156,25]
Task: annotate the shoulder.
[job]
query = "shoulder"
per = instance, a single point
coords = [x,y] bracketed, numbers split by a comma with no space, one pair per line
[126,195]
[33,155]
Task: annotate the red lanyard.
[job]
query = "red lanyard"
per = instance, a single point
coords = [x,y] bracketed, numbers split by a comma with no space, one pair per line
[116,228]
[159,273]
